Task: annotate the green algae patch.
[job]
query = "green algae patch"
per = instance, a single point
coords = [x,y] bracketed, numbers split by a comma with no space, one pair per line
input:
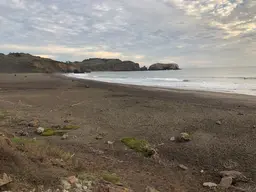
[111,177]
[48,132]
[141,146]
[70,127]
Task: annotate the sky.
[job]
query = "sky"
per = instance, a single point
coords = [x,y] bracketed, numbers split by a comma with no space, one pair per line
[192,33]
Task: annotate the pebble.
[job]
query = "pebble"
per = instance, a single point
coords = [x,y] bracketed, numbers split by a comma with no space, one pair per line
[66,185]
[254,126]
[40,130]
[183,137]
[5,180]
[172,139]
[65,136]
[209,184]
[183,167]
[23,133]
[98,137]
[202,171]
[240,113]
[226,182]
[218,122]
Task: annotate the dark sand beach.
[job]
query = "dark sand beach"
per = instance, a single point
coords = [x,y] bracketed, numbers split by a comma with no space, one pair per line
[114,111]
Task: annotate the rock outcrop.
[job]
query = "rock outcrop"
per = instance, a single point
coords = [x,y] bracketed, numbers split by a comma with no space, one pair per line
[96,64]
[163,66]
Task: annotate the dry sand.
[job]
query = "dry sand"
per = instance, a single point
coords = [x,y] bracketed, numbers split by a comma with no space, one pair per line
[116,111]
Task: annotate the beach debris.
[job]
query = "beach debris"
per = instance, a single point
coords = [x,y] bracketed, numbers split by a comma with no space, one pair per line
[151,189]
[183,167]
[183,137]
[226,182]
[65,136]
[209,184]
[235,175]
[40,130]
[218,122]
[5,180]
[172,139]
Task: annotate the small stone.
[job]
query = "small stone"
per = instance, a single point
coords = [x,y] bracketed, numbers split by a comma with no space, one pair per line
[151,189]
[23,133]
[85,188]
[184,137]
[183,167]
[66,185]
[218,122]
[66,121]
[87,86]
[99,137]
[5,180]
[202,171]
[110,142]
[209,184]
[235,175]
[254,126]
[40,130]
[240,113]
[226,182]
[72,179]
[34,123]
[172,139]
[64,137]
[79,186]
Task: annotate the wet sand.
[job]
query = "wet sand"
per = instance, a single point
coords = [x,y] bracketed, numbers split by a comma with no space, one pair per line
[117,111]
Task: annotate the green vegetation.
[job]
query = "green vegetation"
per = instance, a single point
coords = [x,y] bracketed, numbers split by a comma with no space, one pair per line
[69,127]
[111,177]
[19,140]
[60,132]
[48,132]
[141,146]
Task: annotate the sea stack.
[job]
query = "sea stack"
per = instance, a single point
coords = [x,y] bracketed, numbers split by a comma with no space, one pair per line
[164,66]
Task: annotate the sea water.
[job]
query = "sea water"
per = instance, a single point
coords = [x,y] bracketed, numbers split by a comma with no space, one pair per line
[240,80]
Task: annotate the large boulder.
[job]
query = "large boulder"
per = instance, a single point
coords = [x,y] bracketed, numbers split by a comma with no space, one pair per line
[163,66]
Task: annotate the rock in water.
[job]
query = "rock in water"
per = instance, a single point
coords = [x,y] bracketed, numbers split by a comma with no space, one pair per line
[164,66]
[151,189]
[235,175]
[226,182]
[209,184]
[5,180]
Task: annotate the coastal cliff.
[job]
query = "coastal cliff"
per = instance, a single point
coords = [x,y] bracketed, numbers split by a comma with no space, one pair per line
[26,63]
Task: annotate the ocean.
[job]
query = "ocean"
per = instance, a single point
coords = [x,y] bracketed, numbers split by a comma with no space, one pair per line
[240,80]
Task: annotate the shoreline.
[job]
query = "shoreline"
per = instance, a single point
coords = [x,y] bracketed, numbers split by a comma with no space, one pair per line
[200,93]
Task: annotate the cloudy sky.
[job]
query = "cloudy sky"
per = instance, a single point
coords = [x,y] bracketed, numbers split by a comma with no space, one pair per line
[192,33]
